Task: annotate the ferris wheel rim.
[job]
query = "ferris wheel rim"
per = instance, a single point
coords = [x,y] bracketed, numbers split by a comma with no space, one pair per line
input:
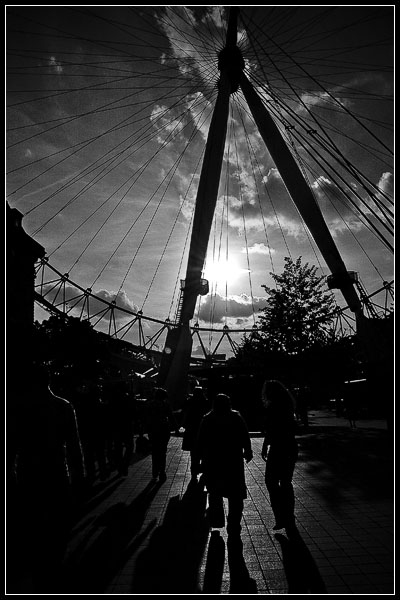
[166,322]
[157,320]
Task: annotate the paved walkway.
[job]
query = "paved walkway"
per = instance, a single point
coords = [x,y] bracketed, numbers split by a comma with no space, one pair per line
[134,537]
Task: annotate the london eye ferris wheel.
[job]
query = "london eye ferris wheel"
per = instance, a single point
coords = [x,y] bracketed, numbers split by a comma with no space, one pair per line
[113,113]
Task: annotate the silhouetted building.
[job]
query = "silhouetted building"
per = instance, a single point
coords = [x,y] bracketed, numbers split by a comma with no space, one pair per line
[21,254]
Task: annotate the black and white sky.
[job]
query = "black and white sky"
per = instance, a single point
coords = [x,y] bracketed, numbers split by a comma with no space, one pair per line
[107,119]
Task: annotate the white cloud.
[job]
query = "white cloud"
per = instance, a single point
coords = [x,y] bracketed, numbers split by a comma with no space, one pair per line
[96,305]
[198,351]
[320,182]
[171,125]
[273,173]
[188,184]
[290,226]
[121,299]
[202,122]
[248,188]
[217,16]
[166,125]
[178,26]
[259,248]
[386,183]
[322,99]
[342,211]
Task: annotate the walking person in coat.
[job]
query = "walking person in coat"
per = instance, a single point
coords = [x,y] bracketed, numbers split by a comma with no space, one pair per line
[160,422]
[280,451]
[223,443]
[196,407]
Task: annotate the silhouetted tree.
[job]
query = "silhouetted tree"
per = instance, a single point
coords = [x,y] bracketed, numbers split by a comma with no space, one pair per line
[299,311]
[69,343]
[296,341]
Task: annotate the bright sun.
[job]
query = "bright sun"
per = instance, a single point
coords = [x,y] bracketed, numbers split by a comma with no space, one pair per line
[222,272]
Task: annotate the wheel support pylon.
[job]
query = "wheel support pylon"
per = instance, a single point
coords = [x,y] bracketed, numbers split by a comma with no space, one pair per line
[178,346]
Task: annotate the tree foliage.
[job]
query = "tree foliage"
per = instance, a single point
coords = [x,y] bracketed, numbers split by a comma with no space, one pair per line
[69,343]
[299,311]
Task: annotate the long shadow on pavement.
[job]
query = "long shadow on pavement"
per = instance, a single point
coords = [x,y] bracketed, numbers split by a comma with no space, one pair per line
[113,537]
[301,571]
[240,580]
[214,564]
[96,495]
[360,459]
[170,563]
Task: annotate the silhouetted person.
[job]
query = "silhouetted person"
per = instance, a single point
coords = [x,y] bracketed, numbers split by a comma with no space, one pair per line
[302,405]
[223,443]
[50,474]
[93,423]
[351,412]
[122,420]
[160,422]
[85,400]
[195,409]
[280,451]
[103,436]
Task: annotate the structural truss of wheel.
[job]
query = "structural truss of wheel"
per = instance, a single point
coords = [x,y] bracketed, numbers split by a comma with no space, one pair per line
[108,111]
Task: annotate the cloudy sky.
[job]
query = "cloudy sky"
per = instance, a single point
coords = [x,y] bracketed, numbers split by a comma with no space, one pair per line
[108,115]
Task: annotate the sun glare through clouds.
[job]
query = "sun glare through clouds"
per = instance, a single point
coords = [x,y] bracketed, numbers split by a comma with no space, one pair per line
[223,272]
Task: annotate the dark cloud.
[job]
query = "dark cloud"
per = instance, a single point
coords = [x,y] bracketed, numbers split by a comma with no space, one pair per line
[215,308]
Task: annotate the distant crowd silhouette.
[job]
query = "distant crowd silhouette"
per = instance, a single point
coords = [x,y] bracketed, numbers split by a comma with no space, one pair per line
[70,437]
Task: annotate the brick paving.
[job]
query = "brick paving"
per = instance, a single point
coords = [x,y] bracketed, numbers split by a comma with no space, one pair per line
[134,537]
